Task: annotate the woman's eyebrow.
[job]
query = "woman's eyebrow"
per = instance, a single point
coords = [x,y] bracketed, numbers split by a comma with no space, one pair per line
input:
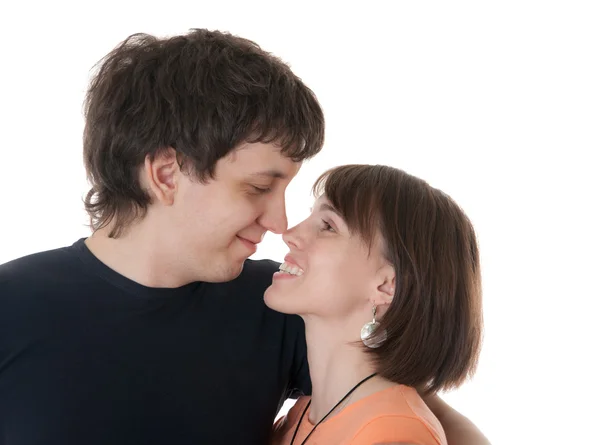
[328,207]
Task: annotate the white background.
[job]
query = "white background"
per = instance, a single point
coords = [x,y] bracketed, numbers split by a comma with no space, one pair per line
[497,103]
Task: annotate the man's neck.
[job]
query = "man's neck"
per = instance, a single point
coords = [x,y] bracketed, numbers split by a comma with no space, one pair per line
[336,366]
[139,255]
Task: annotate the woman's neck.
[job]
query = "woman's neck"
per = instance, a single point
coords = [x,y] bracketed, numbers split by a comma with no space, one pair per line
[336,366]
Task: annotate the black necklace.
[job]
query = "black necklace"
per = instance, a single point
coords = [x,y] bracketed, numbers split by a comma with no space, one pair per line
[326,415]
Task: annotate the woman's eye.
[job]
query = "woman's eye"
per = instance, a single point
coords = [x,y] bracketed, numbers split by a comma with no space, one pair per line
[325,226]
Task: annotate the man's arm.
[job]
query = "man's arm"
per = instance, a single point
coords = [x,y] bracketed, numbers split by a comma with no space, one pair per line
[459,429]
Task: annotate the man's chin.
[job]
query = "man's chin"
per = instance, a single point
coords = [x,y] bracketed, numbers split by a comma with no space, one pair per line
[228,273]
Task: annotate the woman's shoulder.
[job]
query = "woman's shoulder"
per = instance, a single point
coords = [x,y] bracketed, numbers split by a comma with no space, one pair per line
[289,420]
[397,412]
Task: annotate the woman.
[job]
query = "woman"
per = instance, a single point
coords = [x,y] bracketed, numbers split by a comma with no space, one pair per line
[385,273]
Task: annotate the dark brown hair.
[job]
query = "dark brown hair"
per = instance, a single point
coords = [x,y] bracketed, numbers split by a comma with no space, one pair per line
[202,94]
[434,323]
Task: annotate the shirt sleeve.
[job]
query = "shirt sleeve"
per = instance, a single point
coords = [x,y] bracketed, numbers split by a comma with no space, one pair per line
[390,429]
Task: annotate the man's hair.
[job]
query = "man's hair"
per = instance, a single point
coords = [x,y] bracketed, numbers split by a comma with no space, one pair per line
[202,94]
[434,323]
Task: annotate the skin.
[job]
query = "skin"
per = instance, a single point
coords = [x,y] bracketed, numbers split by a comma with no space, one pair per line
[197,231]
[340,283]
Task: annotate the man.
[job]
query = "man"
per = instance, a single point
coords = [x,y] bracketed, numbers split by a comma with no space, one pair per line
[153,330]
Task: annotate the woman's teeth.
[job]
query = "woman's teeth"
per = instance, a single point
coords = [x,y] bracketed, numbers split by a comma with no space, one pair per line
[291,269]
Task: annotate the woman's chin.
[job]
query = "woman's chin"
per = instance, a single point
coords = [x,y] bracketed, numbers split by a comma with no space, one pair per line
[278,302]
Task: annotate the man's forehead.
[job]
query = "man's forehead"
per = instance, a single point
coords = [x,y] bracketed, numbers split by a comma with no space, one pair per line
[263,161]
[271,174]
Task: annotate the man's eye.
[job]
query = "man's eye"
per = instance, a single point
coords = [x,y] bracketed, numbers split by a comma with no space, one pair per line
[260,190]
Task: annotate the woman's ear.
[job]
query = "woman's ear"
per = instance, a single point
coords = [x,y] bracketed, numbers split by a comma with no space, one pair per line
[386,286]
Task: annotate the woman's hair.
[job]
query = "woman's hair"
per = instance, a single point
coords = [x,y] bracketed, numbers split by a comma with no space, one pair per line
[434,323]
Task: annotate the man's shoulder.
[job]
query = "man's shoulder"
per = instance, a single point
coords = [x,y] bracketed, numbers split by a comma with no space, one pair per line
[264,266]
[37,270]
[26,283]
[249,287]
[31,264]
[257,273]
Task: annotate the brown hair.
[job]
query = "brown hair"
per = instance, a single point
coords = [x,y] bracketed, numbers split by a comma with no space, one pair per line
[202,94]
[434,323]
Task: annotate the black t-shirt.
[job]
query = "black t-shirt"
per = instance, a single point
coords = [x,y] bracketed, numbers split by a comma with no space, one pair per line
[88,356]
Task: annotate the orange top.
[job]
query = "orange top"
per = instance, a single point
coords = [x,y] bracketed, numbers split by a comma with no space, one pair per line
[396,414]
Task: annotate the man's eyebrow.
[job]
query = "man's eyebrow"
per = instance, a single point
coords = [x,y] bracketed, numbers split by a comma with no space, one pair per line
[276,174]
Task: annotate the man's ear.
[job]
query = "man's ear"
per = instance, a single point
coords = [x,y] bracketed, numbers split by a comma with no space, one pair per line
[160,175]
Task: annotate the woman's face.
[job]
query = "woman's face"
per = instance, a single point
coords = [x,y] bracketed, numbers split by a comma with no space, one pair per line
[329,272]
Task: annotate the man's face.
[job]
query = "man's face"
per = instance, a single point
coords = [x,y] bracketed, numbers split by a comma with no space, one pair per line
[217,225]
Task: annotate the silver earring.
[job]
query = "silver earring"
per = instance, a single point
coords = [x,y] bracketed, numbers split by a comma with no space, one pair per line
[367,331]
